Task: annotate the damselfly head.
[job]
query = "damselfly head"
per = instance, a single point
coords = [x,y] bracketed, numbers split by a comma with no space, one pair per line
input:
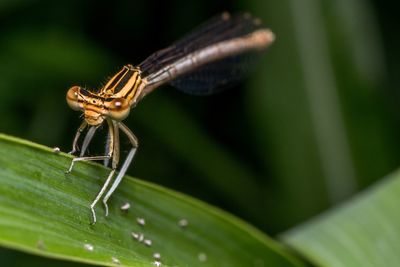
[91,105]
[96,107]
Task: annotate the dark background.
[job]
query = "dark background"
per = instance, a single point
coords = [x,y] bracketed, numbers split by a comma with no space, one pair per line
[316,122]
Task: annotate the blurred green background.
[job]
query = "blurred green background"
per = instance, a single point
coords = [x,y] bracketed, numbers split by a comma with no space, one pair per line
[316,122]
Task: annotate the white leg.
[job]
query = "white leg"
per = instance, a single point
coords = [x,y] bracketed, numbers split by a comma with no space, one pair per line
[115,159]
[94,158]
[112,142]
[87,140]
[127,162]
[119,177]
[76,138]
[107,149]
[103,189]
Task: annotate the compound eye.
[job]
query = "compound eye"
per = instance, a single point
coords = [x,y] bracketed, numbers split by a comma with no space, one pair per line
[118,109]
[73,97]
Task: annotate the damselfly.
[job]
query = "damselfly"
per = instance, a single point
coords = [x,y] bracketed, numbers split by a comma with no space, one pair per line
[201,63]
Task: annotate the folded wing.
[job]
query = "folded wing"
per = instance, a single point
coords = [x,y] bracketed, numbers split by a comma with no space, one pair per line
[210,58]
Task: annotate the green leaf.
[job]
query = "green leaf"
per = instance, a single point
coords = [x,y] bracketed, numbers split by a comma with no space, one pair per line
[45,211]
[363,232]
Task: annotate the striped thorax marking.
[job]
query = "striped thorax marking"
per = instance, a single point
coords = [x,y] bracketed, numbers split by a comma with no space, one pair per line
[124,84]
[114,100]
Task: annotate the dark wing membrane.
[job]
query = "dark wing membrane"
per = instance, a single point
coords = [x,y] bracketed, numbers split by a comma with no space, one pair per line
[216,76]
[213,76]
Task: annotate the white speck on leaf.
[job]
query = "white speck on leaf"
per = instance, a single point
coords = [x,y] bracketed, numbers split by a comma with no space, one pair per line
[141,221]
[183,223]
[141,237]
[115,260]
[156,256]
[202,257]
[135,235]
[88,247]
[126,206]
